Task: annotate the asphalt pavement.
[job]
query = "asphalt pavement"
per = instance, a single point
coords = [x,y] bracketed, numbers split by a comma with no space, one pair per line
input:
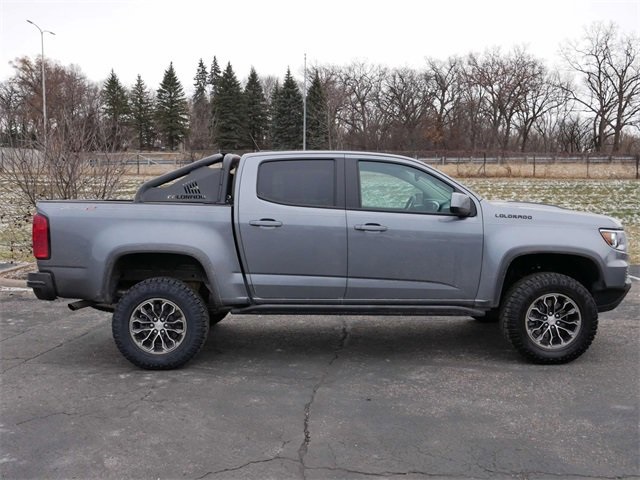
[314,397]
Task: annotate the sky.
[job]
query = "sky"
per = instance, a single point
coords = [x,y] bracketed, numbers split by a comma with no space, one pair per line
[142,36]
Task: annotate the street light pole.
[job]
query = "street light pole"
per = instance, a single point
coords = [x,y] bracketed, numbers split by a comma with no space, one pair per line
[304,107]
[44,91]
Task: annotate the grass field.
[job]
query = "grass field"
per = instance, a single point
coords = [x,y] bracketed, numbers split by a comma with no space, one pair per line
[615,197]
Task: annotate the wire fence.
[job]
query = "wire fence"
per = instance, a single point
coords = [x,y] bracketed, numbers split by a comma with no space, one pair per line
[532,164]
[466,164]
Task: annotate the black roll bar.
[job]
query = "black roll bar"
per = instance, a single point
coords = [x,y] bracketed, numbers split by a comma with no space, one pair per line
[180,172]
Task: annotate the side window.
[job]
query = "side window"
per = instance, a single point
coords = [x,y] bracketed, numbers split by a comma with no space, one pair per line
[308,183]
[390,186]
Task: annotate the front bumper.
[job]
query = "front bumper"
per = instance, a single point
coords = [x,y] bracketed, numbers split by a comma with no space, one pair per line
[610,298]
[43,285]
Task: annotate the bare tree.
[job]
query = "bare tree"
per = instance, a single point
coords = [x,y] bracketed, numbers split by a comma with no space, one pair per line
[542,96]
[573,134]
[624,74]
[336,97]
[364,119]
[470,113]
[446,86]
[506,81]
[405,100]
[70,166]
[608,69]
[10,112]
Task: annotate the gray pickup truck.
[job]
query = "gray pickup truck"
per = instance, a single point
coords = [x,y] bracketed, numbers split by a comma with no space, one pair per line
[326,233]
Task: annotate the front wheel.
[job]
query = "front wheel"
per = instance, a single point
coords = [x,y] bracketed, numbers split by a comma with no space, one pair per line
[160,323]
[549,318]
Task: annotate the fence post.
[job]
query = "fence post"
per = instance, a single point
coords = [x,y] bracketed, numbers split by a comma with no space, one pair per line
[138,163]
[637,167]
[587,165]
[534,166]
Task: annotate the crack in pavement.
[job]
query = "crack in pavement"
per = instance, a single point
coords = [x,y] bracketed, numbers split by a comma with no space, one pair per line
[47,351]
[252,462]
[517,474]
[18,334]
[94,414]
[387,474]
[304,446]
[34,419]
[528,473]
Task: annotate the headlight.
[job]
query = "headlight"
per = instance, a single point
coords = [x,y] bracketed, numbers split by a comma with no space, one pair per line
[615,239]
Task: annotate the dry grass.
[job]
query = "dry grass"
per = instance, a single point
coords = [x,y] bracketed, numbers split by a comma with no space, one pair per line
[545,170]
[477,170]
[150,170]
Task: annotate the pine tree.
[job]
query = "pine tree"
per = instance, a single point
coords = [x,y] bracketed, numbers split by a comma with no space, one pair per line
[214,75]
[199,131]
[115,108]
[256,108]
[317,128]
[287,116]
[172,112]
[201,82]
[214,80]
[230,128]
[142,113]
[271,109]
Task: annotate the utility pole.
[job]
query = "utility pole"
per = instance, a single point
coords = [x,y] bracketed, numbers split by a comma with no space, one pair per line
[44,91]
[304,106]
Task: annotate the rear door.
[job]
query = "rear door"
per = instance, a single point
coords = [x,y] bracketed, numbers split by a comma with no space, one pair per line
[292,226]
[403,241]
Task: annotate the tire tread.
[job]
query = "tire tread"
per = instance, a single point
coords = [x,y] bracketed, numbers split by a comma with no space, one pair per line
[151,286]
[517,298]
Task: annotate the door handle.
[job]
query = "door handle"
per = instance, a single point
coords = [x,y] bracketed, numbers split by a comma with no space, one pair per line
[371,227]
[265,222]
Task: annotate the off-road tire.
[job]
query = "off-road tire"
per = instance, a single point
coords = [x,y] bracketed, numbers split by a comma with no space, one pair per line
[193,317]
[521,299]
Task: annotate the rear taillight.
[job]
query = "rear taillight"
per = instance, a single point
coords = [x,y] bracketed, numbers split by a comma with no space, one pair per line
[40,237]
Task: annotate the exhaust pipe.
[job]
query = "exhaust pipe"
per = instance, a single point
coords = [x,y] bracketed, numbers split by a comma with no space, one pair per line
[79,304]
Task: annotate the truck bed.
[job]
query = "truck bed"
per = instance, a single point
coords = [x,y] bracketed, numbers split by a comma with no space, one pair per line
[87,237]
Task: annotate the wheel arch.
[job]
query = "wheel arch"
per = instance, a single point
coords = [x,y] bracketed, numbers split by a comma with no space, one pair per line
[582,268]
[127,268]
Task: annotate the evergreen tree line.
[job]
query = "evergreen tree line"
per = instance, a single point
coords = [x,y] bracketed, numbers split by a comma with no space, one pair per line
[495,101]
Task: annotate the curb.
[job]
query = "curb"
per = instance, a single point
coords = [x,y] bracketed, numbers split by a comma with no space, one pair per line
[11,283]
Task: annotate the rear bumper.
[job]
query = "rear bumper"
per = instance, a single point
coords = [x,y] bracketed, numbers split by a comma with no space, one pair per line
[43,285]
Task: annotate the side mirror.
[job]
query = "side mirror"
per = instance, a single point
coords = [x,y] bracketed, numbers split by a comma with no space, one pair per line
[460,204]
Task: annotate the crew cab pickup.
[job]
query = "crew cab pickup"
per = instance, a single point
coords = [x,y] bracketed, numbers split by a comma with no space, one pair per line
[326,233]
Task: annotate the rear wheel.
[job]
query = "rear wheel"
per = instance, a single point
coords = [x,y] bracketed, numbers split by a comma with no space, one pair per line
[549,318]
[160,323]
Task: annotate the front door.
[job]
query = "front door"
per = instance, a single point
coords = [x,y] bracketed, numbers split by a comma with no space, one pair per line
[403,241]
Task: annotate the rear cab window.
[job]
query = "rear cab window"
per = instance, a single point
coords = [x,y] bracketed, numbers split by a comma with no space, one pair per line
[305,183]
